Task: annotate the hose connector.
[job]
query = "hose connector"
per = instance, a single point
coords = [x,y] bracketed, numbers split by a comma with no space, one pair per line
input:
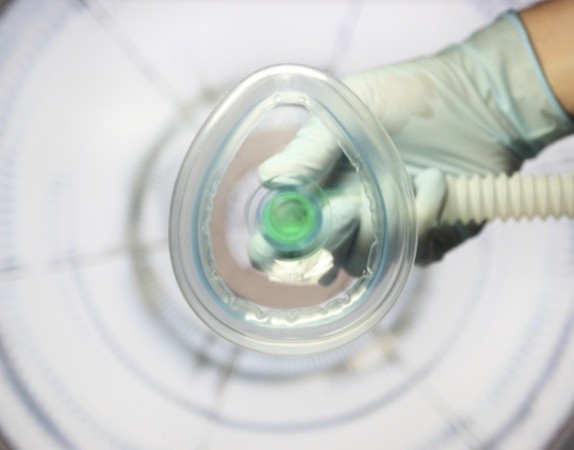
[480,198]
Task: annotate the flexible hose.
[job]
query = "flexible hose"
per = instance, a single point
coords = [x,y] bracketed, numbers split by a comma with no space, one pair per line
[501,196]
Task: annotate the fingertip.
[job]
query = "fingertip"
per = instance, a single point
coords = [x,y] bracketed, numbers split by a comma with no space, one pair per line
[356,262]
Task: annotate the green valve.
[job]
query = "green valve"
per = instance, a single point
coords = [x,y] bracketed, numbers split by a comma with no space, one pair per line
[289,218]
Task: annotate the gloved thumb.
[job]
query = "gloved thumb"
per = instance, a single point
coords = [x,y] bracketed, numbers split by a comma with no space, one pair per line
[435,238]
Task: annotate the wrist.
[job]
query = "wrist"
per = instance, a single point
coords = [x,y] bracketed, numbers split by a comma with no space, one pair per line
[508,78]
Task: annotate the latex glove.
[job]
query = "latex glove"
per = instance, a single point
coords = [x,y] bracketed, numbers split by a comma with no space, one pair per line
[482,106]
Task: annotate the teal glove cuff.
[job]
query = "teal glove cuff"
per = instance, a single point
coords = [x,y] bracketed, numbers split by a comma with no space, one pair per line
[512,17]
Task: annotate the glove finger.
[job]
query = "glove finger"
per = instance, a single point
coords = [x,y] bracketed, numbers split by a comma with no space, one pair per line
[345,219]
[312,154]
[431,190]
[448,237]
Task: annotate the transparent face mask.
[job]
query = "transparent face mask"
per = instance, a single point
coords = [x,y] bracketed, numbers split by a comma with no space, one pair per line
[259,258]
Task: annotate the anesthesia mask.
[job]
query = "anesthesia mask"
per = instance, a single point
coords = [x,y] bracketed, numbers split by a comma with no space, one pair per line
[223,215]
[257,257]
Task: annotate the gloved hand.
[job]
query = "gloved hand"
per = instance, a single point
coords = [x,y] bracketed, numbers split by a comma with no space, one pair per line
[482,106]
